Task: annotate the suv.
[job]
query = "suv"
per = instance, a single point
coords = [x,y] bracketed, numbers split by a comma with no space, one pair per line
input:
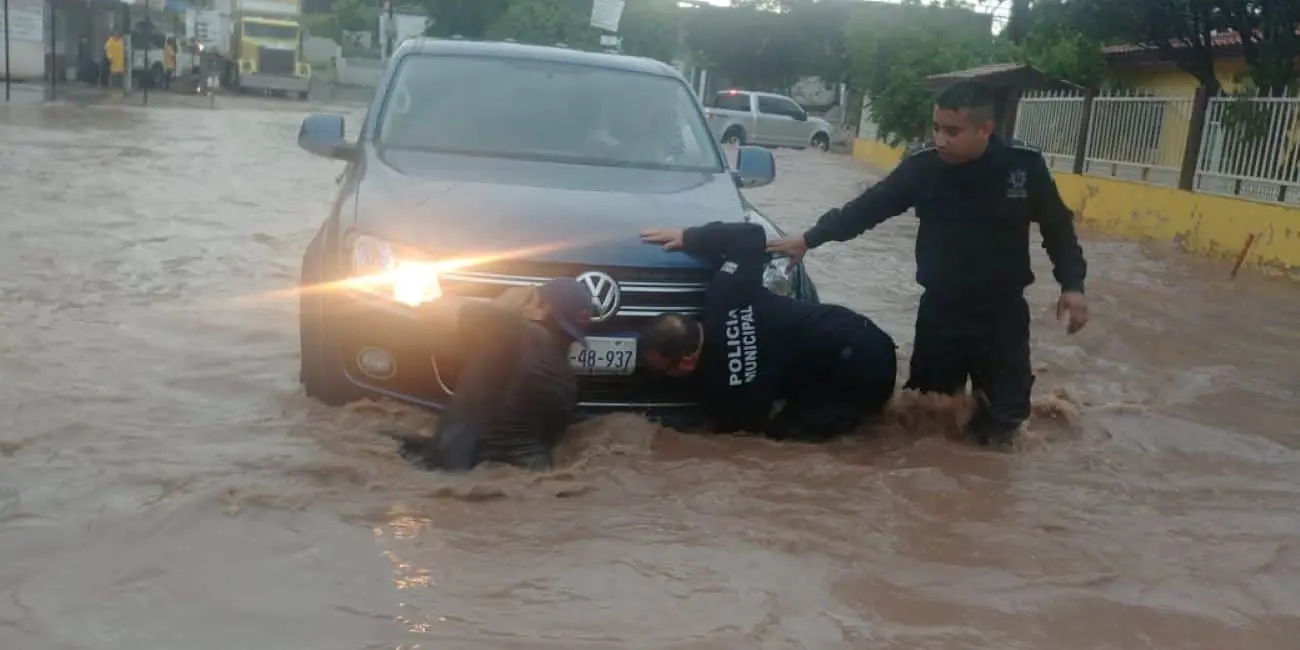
[538,163]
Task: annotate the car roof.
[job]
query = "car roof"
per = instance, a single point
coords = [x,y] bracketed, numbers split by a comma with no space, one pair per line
[753,93]
[464,47]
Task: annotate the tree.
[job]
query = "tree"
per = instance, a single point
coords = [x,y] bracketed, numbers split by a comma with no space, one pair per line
[1181,30]
[1270,41]
[751,48]
[1059,38]
[469,18]
[651,28]
[891,53]
[545,22]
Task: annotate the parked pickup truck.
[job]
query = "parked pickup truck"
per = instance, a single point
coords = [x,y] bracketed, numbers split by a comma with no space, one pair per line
[740,117]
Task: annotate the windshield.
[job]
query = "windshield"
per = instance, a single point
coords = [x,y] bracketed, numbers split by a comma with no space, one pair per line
[270,32]
[544,110]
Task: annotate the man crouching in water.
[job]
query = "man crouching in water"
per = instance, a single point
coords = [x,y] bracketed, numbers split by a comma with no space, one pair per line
[516,393]
[832,366]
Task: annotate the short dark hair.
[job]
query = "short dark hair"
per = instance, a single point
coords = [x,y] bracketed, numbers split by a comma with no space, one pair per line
[971,96]
[672,336]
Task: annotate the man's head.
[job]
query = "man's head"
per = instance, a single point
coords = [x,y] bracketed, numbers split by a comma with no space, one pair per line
[567,305]
[670,343]
[963,121]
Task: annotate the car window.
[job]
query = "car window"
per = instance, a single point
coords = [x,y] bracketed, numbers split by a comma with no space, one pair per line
[772,106]
[731,101]
[789,107]
[545,110]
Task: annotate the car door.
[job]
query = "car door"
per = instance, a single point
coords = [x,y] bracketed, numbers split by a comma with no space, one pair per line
[801,129]
[778,124]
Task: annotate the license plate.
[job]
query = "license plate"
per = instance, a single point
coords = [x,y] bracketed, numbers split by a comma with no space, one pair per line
[604,356]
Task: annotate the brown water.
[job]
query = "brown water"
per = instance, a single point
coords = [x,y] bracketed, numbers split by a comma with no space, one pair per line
[164,485]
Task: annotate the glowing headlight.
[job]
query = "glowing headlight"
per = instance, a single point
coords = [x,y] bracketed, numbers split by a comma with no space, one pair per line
[381,268]
[778,276]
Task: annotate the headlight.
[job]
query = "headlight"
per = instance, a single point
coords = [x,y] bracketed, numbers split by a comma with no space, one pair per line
[778,276]
[381,268]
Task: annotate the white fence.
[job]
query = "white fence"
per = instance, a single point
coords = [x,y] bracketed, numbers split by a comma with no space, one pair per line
[1141,137]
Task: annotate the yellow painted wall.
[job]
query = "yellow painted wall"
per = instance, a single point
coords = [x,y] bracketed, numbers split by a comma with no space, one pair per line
[1209,225]
[876,153]
[1168,80]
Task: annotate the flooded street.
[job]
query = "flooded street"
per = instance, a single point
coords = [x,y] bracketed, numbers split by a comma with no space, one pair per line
[164,484]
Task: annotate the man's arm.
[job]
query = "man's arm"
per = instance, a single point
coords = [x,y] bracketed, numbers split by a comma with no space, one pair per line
[890,197]
[1056,223]
[738,249]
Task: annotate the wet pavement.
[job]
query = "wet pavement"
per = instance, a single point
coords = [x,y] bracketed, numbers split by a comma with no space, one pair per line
[164,484]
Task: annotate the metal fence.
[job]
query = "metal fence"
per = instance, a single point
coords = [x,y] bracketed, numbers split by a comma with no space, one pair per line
[1250,147]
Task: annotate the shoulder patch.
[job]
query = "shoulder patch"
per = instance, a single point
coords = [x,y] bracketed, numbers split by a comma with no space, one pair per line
[729,267]
[1025,146]
[925,147]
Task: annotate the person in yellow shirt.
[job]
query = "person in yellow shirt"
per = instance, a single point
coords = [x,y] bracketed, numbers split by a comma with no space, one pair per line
[169,62]
[115,53]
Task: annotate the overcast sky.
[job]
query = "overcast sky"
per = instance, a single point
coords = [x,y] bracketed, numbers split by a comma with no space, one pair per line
[998,9]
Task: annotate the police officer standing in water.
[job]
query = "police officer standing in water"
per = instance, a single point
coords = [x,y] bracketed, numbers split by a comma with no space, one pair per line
[975,196]
[753,348]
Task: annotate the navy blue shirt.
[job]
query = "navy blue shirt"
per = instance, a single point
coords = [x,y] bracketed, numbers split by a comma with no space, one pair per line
[974,219]
[760,347]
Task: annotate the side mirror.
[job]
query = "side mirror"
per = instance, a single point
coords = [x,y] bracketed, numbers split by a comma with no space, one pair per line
[755,167]
[801,116]
[322,135]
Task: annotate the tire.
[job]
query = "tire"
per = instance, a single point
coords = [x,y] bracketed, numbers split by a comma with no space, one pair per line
[321,369]
[821,142]
[734,135]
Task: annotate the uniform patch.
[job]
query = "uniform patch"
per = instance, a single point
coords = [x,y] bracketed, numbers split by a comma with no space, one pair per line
[728,267]
[1018,184]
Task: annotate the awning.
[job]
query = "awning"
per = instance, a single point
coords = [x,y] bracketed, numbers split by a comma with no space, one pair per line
[1017,75]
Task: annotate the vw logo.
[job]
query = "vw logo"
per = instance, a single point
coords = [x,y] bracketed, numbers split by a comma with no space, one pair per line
[605,294]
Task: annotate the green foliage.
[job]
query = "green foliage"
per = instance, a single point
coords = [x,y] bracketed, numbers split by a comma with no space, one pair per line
[344,16]
[890,59]
[545,22]
[650,28]
[1272,48]
[469,18]
[1063,41]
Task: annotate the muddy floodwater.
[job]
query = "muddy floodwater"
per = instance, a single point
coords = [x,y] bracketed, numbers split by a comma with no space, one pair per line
[164,485]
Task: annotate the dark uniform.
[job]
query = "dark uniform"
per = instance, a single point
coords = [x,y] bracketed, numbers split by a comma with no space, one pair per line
[972,259]
[514,398]
[831,365]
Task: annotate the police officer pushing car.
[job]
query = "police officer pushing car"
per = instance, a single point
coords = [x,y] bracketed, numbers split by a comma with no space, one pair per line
[975,196]
[752,348]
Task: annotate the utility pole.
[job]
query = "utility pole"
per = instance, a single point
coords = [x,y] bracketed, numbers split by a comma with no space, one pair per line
[6,50]
[54,59]
[1016,22]
[390,31]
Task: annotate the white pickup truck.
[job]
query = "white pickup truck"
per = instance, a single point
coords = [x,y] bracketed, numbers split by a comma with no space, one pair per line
[747,117]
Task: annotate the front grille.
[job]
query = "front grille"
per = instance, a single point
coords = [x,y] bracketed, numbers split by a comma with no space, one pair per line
[272,61]
[644,292]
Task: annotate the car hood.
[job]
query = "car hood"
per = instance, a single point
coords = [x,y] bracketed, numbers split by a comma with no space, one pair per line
[464,206]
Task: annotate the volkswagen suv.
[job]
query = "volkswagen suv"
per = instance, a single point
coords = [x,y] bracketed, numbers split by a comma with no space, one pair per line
[485,166]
